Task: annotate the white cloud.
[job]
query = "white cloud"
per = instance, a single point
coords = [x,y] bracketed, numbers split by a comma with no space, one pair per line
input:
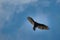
[24,1]
[18,1]
[8,7]
[58,1]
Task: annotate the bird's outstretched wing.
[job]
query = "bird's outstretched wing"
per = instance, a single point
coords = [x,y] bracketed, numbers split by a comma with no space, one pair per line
[30,20]
[42,26]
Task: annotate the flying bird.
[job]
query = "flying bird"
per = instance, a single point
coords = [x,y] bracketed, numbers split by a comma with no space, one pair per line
[37,25]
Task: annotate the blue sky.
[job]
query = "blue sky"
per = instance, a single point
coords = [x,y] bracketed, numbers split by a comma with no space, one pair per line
[15,26]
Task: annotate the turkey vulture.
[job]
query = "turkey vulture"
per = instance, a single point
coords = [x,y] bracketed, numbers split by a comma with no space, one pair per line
[37,25]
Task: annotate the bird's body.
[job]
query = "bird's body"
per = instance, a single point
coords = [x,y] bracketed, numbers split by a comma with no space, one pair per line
[37,25]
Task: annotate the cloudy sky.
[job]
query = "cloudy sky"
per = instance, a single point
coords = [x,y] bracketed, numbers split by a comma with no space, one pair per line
[15,26]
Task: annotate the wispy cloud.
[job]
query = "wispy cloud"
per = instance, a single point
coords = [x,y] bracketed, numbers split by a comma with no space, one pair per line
[7,10]
[9,7]
[19,1]
[58,1]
